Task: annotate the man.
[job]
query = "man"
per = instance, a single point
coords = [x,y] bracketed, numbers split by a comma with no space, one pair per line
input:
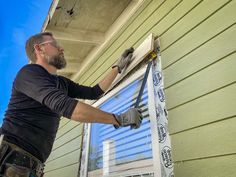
[40,97]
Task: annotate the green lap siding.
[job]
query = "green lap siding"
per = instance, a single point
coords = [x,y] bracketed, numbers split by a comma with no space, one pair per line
[208,80]
[215,106]
[198,50]
[65,156]
[220,166]
[70,171]
[199,58]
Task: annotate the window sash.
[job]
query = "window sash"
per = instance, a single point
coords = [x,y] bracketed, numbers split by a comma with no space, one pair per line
[127,82]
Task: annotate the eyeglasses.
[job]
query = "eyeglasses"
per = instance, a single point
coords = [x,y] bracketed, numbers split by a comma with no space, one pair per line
[53,43]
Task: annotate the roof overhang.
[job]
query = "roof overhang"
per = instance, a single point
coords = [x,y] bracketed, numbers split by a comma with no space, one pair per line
[84,27]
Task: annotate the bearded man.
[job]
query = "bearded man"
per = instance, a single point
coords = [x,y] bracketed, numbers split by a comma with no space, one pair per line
[40,97]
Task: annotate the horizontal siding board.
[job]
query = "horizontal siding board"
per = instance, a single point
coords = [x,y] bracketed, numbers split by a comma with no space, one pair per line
[67,148]
[202,57]
[210,108]
[211,78]
[170,20]
[66,128]
[199,35]
[205,141]
[139,167]
[142,137]
[63,122]
[128,145]
[190,20]
[72,134]
[70,171]
[144,29]
[222,166]
[110,128]
[125,100]
[130,172]
[124,133]
[63,161]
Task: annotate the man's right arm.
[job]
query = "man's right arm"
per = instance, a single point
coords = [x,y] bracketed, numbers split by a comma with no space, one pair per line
[86,113]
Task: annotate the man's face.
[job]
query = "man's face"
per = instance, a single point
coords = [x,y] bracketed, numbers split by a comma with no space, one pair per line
[53,53]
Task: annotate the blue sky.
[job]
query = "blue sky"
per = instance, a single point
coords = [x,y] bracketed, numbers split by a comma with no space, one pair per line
[18,21]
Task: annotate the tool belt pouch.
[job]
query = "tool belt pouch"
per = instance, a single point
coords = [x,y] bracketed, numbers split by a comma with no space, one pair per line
[12,170]
[4,150]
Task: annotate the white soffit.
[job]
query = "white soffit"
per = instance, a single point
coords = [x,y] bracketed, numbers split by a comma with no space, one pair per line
[84,27]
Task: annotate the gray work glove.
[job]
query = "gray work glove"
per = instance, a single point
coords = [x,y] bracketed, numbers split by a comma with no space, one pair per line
[125,59]
[131,117]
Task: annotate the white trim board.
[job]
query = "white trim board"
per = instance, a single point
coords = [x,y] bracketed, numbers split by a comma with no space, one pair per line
[139,55]
[154,132]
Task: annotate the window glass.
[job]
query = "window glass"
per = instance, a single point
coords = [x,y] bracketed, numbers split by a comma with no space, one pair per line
[130,145]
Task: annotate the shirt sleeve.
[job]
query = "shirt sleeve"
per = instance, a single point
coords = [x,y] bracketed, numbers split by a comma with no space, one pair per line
[35,82]
[84,92]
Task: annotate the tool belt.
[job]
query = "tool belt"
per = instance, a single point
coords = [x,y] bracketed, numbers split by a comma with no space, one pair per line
[15,162]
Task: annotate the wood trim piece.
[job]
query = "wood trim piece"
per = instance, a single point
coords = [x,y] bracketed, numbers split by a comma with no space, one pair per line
[139,54]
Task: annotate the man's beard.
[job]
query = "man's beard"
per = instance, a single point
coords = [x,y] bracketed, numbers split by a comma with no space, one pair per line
[58,61]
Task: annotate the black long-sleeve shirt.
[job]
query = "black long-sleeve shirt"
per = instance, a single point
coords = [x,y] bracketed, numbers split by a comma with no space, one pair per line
[38,100]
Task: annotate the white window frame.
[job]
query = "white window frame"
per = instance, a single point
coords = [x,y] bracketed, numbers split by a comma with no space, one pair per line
[151,106]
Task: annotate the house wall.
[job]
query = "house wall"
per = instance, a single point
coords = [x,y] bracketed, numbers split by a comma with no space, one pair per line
[65,156]
[198,59]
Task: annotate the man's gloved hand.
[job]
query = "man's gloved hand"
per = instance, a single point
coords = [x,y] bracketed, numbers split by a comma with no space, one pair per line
[131,117]
[124,59]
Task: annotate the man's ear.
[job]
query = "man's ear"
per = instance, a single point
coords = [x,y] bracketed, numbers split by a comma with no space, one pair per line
[37,48]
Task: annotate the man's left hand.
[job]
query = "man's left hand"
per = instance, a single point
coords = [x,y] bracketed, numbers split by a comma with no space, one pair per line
[125,59]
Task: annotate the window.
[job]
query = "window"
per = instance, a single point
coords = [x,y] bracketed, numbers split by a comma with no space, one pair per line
[126,145]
